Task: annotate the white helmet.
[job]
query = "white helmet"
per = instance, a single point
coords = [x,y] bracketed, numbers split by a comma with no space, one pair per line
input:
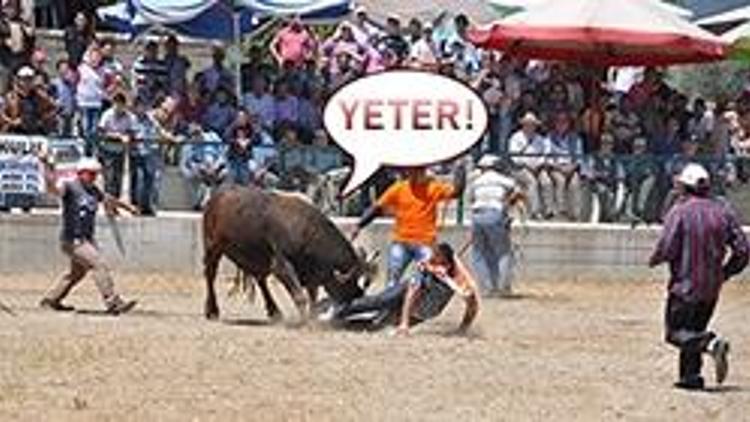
[693,175]
[88,164]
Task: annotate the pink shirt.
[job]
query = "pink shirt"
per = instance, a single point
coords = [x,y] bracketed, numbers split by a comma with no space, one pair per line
[294,46]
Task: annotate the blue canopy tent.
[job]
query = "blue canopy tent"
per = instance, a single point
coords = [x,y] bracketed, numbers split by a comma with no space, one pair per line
[214,19]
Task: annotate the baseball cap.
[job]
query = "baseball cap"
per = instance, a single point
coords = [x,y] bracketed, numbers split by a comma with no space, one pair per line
[693,175]
[26,72]
[88,164]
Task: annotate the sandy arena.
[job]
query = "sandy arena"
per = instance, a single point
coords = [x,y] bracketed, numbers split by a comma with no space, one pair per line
[560,351]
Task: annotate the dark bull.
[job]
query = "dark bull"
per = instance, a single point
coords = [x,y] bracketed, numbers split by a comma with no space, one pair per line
[268,233]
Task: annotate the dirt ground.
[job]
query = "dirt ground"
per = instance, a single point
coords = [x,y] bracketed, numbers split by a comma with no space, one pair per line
[560,351]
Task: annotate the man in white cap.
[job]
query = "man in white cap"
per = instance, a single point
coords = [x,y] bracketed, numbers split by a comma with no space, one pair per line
[80,201]
[528,148]
[490,195]
[697,233]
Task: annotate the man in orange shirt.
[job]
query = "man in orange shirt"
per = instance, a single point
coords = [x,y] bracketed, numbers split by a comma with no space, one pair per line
[413,202]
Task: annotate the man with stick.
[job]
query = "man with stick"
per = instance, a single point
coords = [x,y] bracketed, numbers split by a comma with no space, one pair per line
[697,232]
[80,201]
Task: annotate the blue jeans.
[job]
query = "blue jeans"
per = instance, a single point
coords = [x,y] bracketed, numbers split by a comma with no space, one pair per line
[239,171]
[492,254]
[400,255]
[143,170]
[89,122]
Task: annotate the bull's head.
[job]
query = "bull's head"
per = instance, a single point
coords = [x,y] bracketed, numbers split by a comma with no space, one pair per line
[358,278]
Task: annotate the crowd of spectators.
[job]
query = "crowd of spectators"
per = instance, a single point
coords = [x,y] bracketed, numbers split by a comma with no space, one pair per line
[570,134]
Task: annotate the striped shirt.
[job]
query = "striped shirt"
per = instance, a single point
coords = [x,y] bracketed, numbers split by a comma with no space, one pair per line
[694,242]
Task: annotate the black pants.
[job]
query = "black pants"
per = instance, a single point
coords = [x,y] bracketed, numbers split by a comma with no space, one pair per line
[686,329]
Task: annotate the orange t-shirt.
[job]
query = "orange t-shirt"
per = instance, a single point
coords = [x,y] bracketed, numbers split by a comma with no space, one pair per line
[415,207]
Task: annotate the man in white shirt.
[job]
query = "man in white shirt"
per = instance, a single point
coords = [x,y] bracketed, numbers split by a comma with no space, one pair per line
[115,128]
[528,149]
[490,194]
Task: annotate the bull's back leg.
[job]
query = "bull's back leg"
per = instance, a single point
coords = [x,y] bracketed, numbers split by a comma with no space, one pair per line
[284,271]
[211,258]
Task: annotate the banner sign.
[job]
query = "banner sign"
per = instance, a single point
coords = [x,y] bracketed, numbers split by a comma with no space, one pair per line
[20,170]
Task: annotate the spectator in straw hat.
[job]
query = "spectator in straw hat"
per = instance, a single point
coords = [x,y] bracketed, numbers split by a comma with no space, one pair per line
[695,239]
[80,200]
[528,148]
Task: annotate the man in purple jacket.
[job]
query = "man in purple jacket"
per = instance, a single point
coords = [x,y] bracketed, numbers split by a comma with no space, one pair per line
[697,231]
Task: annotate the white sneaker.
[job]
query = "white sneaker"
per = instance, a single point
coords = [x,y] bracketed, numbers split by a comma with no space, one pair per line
[719,351]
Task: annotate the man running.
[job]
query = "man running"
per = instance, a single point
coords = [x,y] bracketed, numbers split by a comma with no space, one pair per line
[696,233]
[80,201]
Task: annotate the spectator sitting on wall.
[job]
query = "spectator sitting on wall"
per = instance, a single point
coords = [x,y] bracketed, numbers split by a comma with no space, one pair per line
[603,176]
[642,173]
[202,163]
[625,126]
[567,149]
[29,109]
[241,138]
[116,129]
[527,148]
[63,91]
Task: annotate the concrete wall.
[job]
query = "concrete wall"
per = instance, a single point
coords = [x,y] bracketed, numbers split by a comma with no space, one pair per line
[172,243]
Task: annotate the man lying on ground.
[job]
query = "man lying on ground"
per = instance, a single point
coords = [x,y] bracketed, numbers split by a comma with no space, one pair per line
[424,297]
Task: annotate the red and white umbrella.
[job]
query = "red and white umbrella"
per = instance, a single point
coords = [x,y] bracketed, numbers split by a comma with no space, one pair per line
[602,32]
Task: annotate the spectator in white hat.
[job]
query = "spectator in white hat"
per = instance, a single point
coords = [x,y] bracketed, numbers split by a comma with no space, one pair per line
[528,147]
[80,200]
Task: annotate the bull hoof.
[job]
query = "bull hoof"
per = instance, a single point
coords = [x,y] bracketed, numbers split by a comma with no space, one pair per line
[211,313]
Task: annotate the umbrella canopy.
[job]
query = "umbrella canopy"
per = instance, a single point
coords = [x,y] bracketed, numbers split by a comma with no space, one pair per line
[518,5]
[213,19]
[604,32]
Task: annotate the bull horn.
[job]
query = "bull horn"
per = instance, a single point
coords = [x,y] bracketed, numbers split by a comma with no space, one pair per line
[373,256]
[344,278]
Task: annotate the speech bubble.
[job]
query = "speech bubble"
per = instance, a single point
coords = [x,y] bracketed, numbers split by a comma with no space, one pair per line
[403,118]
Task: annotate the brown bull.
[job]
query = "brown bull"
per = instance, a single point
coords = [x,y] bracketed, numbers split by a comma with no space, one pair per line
[281,234]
